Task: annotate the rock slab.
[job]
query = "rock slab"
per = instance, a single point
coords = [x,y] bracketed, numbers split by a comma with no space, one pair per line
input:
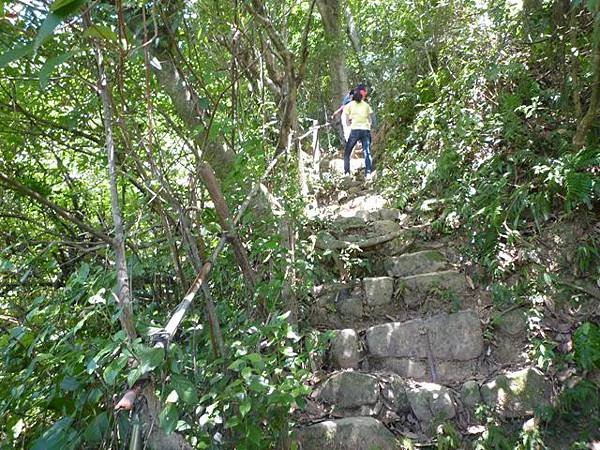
[431,404]
[351,433]
[351,393]
[417,263]
[345,349]
[455,337]
[378,290]
[517,394]
[446,279]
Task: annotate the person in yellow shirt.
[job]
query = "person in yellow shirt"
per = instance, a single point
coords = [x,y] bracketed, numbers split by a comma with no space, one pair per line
[358,113]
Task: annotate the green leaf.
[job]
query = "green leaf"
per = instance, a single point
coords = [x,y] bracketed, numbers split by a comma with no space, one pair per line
[168,418]
[256,359]
[59,436]
[101,32]
[113,369]
[235,365]
[14,54]
[587,346]
[94,432]
[150,358]
[245,407]
[69,384]
[58,4]
[133,376]
[59,12]
[185,389]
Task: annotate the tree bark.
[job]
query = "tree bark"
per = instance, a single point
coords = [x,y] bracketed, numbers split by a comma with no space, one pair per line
[216,195]
[123,292]
[574,62]
[330,11]
[592,112]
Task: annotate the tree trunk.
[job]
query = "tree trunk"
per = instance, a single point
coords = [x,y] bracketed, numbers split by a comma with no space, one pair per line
[123,291]
[352,31]
[187,105]
[330,11]
[592,112]
[241,256]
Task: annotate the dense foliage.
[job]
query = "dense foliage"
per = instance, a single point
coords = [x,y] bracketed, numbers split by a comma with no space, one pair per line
[481,109]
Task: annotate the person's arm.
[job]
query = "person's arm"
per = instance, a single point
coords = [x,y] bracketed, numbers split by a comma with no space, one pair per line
[372,118]
[339,110]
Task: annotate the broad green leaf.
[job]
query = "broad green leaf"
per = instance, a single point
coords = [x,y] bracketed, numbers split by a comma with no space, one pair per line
[94,433]
[113,370]
[57,15]
[173,397]
[60,436]
[101,32]
[245,407]
[14,54]
[185,389]
[133,376]
[150,358]
[69,384]
[168,418]
[235,365]
[58,4]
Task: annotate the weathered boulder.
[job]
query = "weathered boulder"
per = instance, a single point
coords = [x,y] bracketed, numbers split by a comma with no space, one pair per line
[393,391]
[430,400]
[455,336]
[431,404]
[350,307]
[326,241]
[351,433]
[405,367]
[425,261]
[378,291]
[517,394]
[387,214]
[470,394]
[351,393]
[342,225]
[344,352]
[446,279]
[381,227]
[512,323]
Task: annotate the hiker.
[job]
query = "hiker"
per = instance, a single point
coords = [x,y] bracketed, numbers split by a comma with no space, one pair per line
[346,128]
[359,113]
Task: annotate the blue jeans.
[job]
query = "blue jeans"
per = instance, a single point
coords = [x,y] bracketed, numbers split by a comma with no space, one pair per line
[365,138]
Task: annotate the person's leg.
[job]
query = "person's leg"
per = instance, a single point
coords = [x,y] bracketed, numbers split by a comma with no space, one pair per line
[352,139]
[365,139]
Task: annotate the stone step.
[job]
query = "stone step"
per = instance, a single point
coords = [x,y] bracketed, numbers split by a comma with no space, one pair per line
[363,302]
[449,344]
[359,206]
[336,165]
[421,406]
[416,287]
[351,433]
[418,263]
[388,396]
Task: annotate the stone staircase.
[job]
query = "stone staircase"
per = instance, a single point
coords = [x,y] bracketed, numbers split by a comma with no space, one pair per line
[407,352]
